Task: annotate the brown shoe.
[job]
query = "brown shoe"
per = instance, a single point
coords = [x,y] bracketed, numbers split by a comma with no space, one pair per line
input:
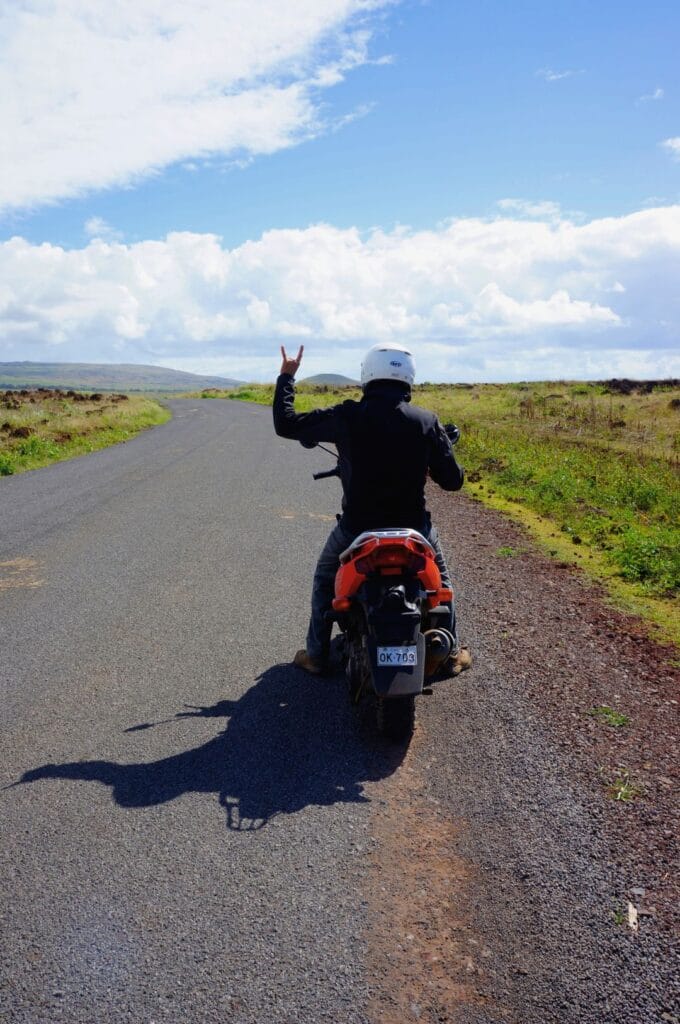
[303,660]
[459,662]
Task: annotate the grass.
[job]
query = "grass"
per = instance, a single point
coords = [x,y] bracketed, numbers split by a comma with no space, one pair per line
[608,716]
[41,427]
[620,787]
[592,474]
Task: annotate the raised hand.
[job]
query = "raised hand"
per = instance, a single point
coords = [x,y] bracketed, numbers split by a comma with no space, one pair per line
[289,365]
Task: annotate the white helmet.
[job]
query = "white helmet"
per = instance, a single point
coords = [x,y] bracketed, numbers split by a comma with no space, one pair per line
[388,362]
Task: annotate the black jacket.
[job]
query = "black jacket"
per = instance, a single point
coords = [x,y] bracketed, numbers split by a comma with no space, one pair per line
[386,447]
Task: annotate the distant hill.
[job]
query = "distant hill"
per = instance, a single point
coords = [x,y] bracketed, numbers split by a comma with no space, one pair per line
[106,377]
[336,380]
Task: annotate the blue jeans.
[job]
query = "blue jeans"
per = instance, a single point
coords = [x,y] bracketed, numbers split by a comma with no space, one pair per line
[323,588]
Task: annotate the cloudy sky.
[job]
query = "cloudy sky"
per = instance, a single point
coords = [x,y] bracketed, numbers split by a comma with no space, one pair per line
[194,182]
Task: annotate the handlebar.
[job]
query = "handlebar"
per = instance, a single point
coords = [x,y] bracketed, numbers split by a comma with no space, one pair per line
[329,472]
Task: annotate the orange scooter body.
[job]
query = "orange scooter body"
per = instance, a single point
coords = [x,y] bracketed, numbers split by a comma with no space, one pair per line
[390,602]
[388,553]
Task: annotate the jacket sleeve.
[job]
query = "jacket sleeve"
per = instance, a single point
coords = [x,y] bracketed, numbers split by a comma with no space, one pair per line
[317,425]
[443,466]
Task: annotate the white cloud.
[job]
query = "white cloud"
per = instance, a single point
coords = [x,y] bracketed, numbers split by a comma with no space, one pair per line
[97,227]
[530,208]
[658,94]
[98,94]
[556,76]
[673,146]
[478,299]
[354,115]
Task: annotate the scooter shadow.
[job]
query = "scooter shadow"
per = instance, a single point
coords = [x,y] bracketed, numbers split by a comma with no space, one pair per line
[291,741]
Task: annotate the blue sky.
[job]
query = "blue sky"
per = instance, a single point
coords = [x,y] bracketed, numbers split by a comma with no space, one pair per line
[557,121]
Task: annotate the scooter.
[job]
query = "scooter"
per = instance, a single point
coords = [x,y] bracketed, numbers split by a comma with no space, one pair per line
[392,611]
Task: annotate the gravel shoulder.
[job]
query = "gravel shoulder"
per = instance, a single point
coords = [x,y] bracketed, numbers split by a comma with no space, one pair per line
[506,787]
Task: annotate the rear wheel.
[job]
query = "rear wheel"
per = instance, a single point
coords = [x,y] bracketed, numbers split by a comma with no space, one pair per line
[396,717]
[354,671]
[357,669]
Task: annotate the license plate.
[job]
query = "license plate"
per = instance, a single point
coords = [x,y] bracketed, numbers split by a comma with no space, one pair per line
[388,656]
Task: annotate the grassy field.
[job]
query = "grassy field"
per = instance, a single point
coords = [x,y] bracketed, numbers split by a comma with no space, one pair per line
[42,426]
[591,470]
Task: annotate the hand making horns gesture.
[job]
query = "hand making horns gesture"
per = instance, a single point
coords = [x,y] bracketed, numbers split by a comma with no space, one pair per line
[289,365]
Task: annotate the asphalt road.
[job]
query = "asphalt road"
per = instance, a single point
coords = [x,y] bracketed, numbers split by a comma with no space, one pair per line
[189,847]
[195,831]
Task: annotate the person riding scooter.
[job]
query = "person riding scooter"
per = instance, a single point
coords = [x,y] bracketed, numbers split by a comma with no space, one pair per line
[386,449]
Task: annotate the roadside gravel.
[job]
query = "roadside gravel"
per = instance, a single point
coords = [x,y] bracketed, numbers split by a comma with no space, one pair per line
[510,782]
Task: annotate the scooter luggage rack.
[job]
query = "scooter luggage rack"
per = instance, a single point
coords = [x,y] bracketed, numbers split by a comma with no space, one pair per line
[381,536]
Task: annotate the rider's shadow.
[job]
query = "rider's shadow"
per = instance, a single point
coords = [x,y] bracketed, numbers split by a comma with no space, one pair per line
[290,741]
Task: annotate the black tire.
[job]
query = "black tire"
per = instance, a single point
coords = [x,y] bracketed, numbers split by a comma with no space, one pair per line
[396,717]
[355,676]
[357,670]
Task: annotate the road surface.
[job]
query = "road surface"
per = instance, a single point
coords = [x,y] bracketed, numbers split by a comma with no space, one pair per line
[195,831]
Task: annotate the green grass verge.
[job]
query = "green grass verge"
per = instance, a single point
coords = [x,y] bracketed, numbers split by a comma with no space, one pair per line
[592,475]
[59,429]
[661,613]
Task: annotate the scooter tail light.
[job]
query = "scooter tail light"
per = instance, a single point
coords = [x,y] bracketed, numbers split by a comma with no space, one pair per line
[387,558]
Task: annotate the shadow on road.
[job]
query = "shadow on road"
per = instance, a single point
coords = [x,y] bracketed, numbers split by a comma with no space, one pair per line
[290,741]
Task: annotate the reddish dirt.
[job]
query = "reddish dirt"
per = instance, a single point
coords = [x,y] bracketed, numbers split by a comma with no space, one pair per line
[420,931]
[446,937]
[570,652]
